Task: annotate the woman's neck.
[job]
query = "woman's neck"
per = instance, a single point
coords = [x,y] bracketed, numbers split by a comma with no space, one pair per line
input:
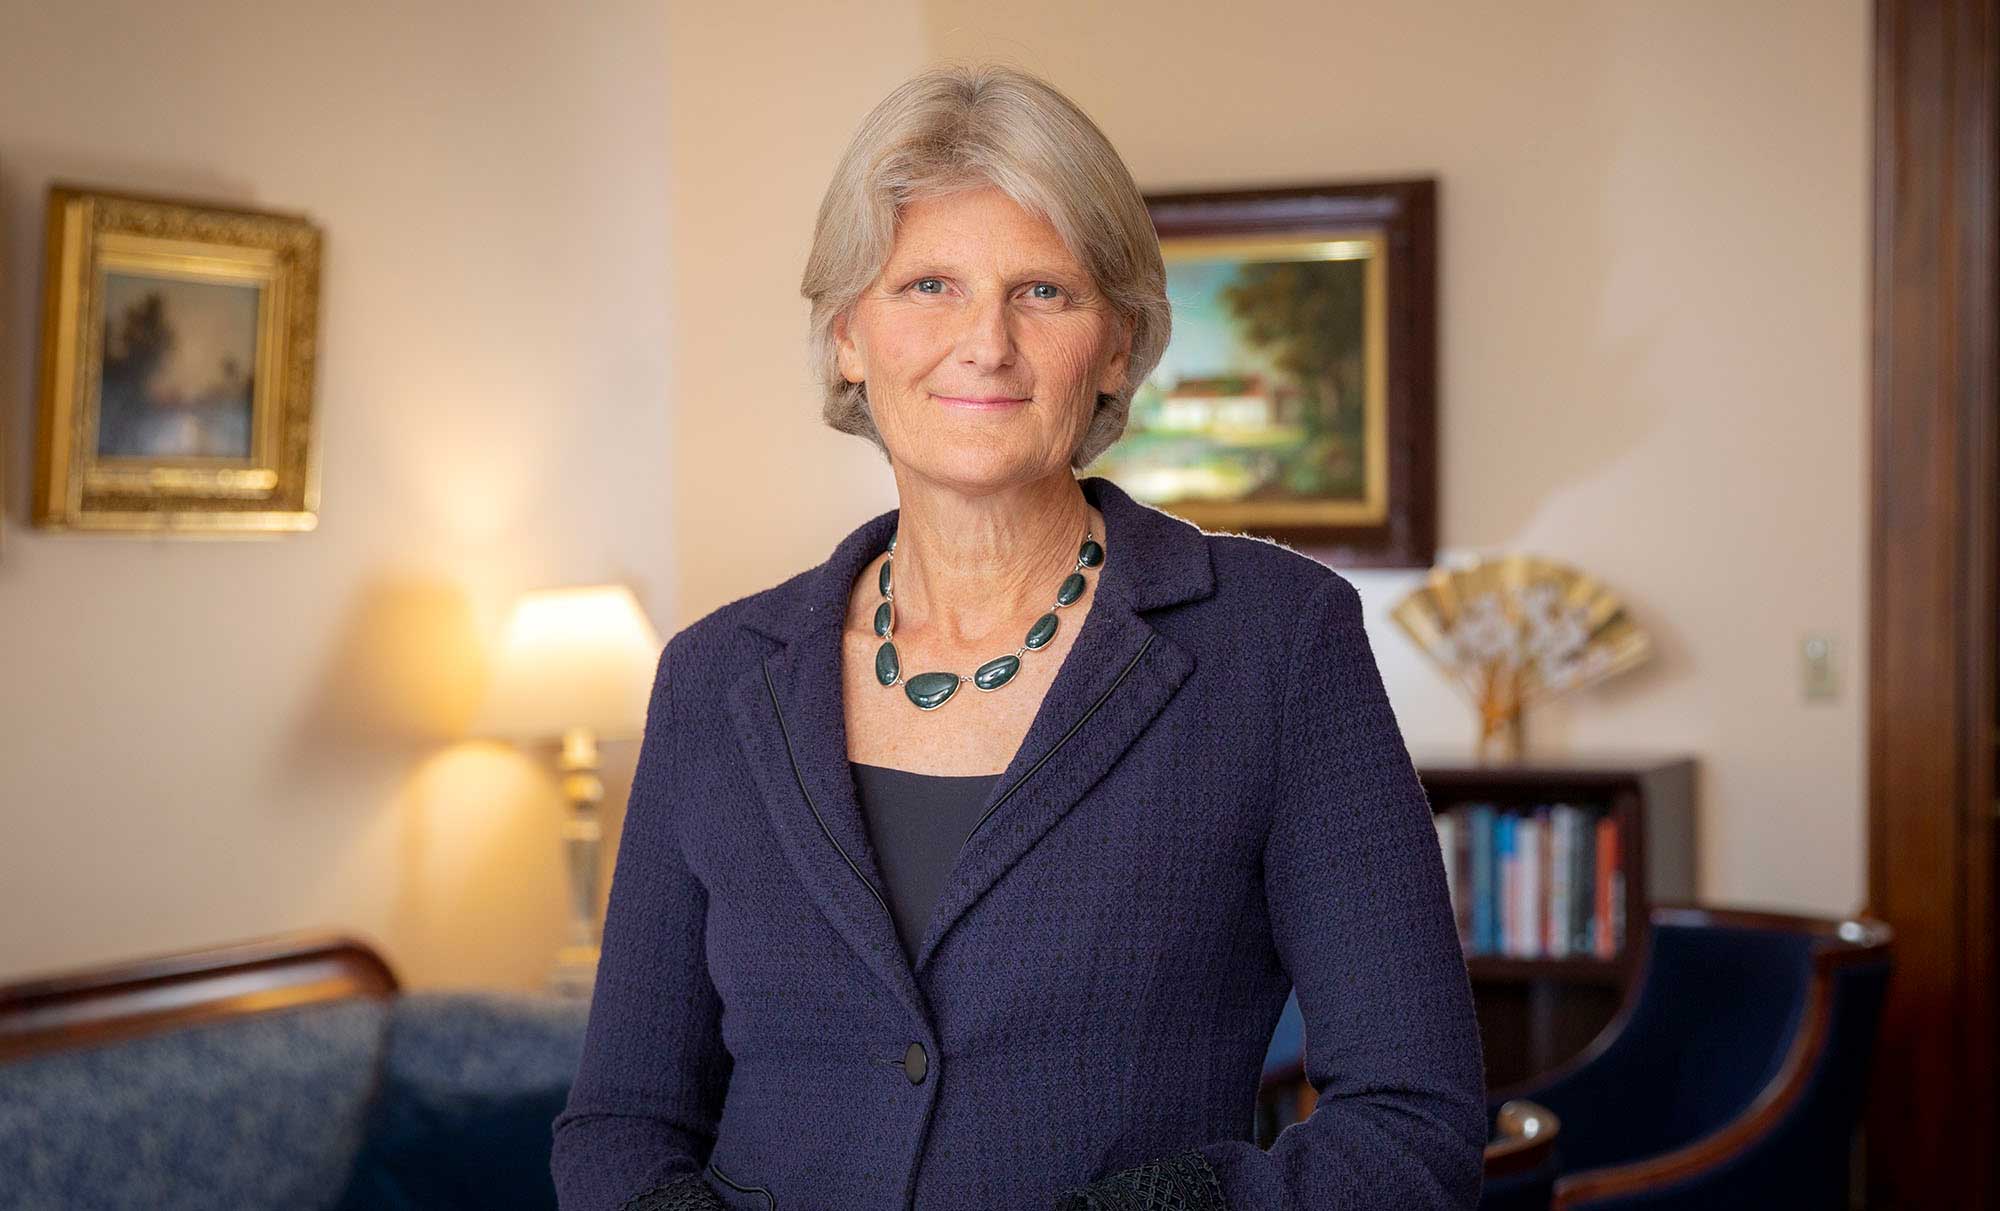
[970,567]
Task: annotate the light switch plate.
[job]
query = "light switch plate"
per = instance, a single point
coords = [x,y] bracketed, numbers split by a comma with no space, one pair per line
[1816,667]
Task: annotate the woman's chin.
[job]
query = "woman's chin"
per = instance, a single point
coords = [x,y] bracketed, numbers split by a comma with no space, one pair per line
[978,467]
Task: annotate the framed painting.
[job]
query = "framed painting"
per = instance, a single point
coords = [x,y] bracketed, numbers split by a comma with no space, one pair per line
[1296,399]
[178,347]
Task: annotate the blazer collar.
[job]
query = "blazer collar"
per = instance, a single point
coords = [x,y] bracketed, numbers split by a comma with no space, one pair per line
[787,709]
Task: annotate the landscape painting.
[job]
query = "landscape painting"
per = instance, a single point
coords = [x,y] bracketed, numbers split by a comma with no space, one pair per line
[178,373]
[1270,392]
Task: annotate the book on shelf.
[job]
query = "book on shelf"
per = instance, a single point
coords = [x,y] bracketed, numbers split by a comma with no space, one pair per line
[1538,882]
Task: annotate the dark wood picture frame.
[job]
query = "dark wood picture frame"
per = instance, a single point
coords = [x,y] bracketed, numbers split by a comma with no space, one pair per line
[1402,216]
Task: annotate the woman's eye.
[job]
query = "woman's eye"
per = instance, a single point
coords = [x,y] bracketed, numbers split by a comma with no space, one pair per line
[1054,291]
[922,285]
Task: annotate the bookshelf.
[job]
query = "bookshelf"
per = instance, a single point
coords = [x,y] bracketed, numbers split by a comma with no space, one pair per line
[1630,816]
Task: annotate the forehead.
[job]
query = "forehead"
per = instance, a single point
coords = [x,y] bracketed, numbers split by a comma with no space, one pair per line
[977,225]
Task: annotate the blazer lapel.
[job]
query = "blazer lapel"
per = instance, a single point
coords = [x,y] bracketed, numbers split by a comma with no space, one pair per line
[788,711]
[1117,676]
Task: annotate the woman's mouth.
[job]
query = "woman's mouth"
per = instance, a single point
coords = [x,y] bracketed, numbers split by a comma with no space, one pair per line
[987,402]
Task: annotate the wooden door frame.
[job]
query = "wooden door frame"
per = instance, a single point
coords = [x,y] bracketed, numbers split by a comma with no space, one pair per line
[1932,603]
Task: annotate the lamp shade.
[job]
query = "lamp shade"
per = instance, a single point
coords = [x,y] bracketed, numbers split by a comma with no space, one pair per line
[572,658]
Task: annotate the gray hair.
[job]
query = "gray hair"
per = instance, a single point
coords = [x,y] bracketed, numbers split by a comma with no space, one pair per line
[956,127]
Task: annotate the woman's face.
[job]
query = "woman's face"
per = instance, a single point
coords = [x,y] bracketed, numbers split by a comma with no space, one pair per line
[983,342]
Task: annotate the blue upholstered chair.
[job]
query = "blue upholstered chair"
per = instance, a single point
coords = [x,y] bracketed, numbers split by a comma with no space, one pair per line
[1284,1096]
[290,1073]
[1735,1073]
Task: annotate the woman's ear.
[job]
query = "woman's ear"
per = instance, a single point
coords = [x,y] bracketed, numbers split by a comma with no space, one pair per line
[1112,381]
[848,353]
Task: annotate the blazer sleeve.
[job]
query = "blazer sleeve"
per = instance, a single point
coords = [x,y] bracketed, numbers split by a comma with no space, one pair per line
[1363,922]
[643,1110]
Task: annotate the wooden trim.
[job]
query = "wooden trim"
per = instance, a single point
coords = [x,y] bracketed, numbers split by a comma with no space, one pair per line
[1932,602]
[1860,934]
[168,992]
[1840,943]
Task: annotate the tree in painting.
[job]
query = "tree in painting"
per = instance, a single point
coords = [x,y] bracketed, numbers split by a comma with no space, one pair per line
[133,349]
[1308,317]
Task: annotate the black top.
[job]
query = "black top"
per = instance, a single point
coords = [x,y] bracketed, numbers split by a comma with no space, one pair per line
[917,822]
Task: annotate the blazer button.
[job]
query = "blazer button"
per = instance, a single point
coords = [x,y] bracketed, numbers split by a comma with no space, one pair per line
[916,1063]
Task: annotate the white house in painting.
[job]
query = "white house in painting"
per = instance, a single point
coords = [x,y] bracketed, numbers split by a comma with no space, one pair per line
[1236,401]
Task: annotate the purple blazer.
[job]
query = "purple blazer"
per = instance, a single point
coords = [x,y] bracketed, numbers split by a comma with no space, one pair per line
[1213,804]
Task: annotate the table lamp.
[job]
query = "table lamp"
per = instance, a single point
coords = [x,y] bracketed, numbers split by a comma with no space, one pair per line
[576,666]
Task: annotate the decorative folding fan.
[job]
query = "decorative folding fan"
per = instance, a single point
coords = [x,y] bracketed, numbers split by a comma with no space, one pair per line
[1515,629]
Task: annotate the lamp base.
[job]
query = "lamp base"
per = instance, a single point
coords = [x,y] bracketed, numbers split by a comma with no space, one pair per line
[574,973]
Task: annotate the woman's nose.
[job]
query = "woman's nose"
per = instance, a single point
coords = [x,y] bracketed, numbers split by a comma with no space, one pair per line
[987,341]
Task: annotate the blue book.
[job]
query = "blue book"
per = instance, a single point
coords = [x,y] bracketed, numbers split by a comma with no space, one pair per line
[1479,819]
[1504,824]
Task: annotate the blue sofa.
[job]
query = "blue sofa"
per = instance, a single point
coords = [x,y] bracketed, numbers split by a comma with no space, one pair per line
[285,1074]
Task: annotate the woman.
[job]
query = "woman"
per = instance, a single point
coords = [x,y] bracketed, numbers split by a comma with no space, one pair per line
[975,873]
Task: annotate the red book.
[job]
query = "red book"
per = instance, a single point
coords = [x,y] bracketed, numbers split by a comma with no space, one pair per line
[1609,889]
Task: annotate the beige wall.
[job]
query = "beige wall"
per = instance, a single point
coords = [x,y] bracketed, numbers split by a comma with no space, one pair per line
[201,742]
[765,98]
[1653,346]
[1653,325]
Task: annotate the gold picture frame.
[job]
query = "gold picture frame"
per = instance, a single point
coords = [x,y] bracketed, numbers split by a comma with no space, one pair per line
[179,341]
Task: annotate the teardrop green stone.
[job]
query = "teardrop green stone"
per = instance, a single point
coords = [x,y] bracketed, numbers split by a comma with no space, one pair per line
[996,672]
[1090,554]
[883,578]
[886,664]
[1070,589]
[1040,634]
[882,620]
[929,690]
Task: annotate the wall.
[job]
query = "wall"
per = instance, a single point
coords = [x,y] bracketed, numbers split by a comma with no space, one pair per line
[209,741]
[765,99]
[548,359]
[1653,329]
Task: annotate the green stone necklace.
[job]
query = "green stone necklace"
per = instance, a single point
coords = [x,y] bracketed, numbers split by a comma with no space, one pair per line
[931,690]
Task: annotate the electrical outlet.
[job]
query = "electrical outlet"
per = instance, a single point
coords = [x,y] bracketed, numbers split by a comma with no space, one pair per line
[1816,666]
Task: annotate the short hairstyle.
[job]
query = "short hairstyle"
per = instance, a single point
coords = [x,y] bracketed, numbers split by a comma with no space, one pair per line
[956,127]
